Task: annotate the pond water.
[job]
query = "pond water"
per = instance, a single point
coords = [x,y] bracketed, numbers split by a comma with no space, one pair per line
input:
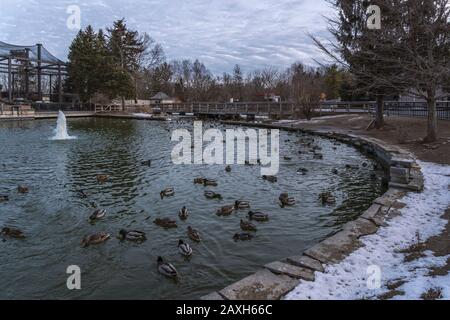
[55,219]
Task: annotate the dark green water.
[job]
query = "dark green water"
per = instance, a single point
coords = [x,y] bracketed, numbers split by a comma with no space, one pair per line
[55,219]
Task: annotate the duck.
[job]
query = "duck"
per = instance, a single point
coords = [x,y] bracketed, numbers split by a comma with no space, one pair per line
[327,198]
[165,223]
[258,216]
[22,189]
[184,248]
[98,214]
[242,236]
[287,158]
[208,182]
[228,168]
[95,238]
[183,213]
[166,269]
[102,177]
[247,226]
[147,163]
[168,192]
[132,235]
[334,171]
[12,233]
[213,195]
[241,204]
[286,200]
[193,234]
[82,194]
[4,198]
[199,180]
[302,171]
[270,178]
[225,210]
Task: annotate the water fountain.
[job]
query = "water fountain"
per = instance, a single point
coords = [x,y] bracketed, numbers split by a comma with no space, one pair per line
[61,128]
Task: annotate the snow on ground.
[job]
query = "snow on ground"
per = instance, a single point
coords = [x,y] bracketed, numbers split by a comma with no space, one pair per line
[421,216]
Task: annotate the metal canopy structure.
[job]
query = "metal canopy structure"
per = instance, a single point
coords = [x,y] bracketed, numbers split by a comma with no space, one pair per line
[26,67]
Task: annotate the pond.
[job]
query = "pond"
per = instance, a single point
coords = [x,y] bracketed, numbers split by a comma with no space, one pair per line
[55,219]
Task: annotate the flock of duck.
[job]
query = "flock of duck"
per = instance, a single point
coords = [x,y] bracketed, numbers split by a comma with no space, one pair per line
[166,268]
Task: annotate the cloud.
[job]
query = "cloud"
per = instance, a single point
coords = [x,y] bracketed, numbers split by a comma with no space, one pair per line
[253,33]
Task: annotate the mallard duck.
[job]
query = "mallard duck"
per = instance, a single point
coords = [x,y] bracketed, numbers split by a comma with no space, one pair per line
[166,269]
[212,195]
[22,189]
[184,213]
[132,235]
[147,163]
[4,197]
[247,226]
[258,216]
[165,223]
[95,238]
[193,234]
[241,204]
[199,180]
[286,200]
[270,178]
[228,169]
[12,232]
[184,248]
[102,177]
[225,210]
[242,236]
[327,198]
[208,182]
[82,194]
[168,192]
[98,214]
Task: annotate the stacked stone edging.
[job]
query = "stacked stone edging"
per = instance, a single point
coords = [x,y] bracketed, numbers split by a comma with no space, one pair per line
[278,278]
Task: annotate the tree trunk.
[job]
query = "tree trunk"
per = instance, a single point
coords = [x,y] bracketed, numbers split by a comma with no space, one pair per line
[432,119]
[379,111]
[123,104]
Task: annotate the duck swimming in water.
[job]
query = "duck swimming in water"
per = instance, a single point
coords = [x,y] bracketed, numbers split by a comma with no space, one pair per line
[4,198]
[184,248]
[98,214]
[132,235]
[241,204]
[95,238]
[225,210]
[82,194]
[228,169]
[247,226]
[147,163]
[183,213]
[208,182]
[242,236]
[168,192]
[285,200]
[327,198]
[199,180]
[102,178]
[12,233]
[270,178]
[258,216]
[22,189]
[193,234]
[213,195]
[165,223]
[166,269]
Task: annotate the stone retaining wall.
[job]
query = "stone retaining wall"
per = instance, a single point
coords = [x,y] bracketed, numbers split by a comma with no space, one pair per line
[278,278]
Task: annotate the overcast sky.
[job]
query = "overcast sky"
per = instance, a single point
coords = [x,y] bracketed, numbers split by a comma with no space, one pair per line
[221,33]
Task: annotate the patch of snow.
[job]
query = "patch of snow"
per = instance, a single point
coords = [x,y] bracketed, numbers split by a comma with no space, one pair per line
[421,216]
